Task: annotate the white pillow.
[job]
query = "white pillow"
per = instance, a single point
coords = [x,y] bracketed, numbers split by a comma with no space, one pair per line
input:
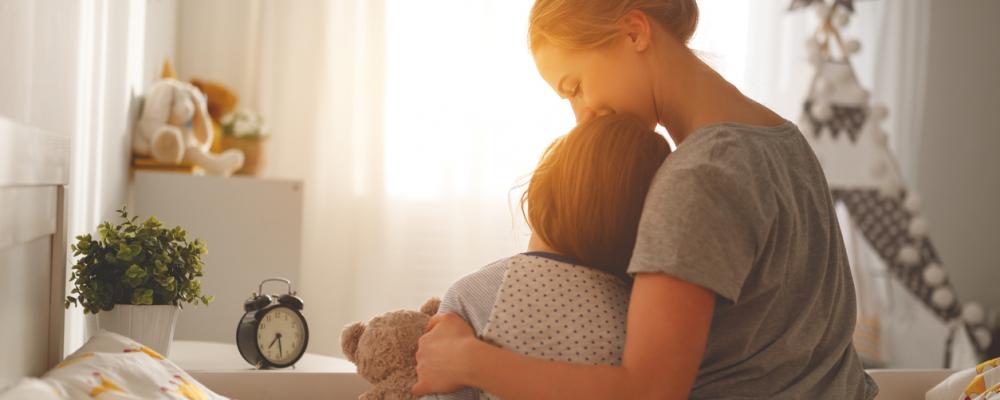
[953,386]
[114,367]
[981,382]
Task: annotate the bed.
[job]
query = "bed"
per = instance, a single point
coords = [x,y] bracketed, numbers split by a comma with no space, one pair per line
[34,172]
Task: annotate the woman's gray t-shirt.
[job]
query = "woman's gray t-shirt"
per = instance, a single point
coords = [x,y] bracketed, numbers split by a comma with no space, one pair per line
[745,212]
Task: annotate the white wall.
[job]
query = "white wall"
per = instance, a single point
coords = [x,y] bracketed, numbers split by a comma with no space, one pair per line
[959,165]
[75,68]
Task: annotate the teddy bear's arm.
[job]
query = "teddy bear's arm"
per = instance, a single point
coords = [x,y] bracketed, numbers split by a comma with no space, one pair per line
[377,392]
[394,387]
[391,389]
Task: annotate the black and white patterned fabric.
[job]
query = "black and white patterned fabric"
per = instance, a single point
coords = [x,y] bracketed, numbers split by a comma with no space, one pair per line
[846,119]
[884,222]
[560,312]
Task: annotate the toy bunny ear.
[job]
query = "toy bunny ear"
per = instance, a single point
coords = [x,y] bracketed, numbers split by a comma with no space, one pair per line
[431,306]
[201,122]
[349,339]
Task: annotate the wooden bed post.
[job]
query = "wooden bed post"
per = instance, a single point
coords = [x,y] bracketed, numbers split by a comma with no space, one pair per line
[57,290]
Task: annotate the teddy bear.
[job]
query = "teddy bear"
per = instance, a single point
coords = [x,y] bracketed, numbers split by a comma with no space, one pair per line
[220,99]
[384,349]
[174,127]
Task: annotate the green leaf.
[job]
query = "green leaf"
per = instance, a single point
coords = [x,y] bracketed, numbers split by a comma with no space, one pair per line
[159,266]
[142,296]
[135,275]
[124,252]
[169,284]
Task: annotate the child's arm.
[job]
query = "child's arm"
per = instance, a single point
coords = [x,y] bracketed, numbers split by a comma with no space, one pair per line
[456,301]
[472,296]
[472,299]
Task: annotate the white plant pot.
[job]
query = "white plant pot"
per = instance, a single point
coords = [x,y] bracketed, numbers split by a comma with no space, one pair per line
[151,325]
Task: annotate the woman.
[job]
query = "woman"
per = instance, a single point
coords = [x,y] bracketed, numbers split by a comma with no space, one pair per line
[742,287]
[583,216]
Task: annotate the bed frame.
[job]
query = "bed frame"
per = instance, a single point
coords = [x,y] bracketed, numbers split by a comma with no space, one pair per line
[34,173]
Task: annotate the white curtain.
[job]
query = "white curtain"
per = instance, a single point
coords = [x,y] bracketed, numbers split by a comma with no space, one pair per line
[88,76]
[411,123]
[900,76]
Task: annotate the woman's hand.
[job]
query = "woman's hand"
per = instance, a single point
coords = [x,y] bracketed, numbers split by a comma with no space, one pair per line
[444,355]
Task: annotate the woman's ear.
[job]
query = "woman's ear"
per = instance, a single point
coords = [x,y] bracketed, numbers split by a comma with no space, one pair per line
[638,30]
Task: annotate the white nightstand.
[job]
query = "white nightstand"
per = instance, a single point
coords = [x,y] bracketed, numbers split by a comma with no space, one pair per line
[220,367]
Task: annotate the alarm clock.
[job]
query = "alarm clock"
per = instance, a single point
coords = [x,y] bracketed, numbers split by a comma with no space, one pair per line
[272,333]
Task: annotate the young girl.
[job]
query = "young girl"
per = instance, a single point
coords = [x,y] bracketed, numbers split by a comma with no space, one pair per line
[742,287]
[583,206]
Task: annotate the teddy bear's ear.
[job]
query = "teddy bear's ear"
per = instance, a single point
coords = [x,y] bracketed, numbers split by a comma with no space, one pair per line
[431,306]
[349,340]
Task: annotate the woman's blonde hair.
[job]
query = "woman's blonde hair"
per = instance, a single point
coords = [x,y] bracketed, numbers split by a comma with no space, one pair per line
[588,24]
[586,195]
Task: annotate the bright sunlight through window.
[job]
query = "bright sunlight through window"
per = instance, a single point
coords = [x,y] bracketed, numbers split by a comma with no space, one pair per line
[467,114]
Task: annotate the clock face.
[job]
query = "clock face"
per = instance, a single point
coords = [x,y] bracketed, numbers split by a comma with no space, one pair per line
[281,336]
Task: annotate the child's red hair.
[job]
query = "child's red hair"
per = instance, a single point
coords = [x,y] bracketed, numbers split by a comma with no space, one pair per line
[585,197]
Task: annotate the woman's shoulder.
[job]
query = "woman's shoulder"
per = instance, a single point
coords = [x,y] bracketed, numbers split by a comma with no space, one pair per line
[732,153]
[727,142]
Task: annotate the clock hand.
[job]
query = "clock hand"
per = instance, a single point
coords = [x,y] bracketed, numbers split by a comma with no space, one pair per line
[276,337]
[279,346]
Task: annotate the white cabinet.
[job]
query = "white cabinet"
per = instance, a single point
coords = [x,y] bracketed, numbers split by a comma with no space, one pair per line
[251,227]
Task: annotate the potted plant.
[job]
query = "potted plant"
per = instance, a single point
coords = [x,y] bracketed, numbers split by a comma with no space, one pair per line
[136,276]
[245,130]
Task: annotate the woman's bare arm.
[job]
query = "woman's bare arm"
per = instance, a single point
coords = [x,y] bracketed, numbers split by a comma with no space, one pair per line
[668,324]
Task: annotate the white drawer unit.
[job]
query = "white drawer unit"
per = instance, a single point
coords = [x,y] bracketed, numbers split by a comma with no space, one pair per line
[251,227]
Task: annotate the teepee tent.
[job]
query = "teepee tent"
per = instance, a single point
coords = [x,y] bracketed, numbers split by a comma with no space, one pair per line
[881,219]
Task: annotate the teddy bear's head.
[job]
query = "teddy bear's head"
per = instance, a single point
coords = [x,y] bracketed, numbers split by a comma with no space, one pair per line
[387,343]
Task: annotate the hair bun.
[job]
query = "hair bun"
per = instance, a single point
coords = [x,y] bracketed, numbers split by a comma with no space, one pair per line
[685,18]
[582,24]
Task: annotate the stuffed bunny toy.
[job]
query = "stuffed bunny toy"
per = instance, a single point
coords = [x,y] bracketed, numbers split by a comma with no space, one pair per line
[174,127]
